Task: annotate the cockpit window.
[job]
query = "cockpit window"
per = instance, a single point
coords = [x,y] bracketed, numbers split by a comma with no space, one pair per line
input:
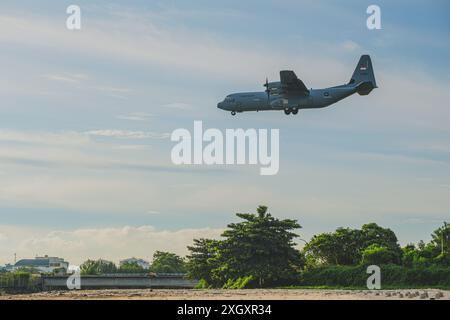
[229,99]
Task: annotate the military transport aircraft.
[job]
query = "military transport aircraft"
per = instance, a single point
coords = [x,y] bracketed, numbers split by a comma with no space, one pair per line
[290,93]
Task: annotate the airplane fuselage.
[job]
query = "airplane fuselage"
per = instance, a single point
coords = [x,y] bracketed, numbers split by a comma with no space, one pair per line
[260,101]
[290,93]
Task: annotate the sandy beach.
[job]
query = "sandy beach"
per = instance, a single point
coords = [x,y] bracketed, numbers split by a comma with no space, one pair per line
[251,294]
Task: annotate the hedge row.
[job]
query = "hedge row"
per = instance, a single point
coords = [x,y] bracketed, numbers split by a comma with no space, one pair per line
[391,275]
[19,281]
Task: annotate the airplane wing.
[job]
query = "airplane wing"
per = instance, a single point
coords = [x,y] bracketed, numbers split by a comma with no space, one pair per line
[290,82]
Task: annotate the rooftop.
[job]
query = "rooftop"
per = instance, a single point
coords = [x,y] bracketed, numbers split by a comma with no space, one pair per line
[40,262]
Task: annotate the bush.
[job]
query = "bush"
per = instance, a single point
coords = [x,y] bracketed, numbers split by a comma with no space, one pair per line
[19,281]
[443,259]
[131,267]
[202,284]
[167,262]
[378,255]
[240,283]
[96,267]
[346,276]
[391,275]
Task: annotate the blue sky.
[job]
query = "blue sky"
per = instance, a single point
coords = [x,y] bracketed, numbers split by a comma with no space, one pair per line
[85,117]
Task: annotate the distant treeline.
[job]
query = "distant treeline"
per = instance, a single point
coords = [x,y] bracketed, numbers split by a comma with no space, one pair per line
[260,251]
[163,262]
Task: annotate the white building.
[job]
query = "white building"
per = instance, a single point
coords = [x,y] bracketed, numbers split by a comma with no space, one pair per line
[140,262]
[7,267]
[44,264]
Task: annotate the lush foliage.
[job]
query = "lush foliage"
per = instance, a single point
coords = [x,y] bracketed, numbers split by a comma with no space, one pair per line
[20,281]
[258,251]
[203,260]
[167,262]
[391,276]
[131,267]
[239,283]
[378,255]
[346,246]
[96,267]
[163,262]
[436,252]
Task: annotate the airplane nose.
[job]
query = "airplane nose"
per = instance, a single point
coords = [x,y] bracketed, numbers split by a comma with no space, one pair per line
[220,105]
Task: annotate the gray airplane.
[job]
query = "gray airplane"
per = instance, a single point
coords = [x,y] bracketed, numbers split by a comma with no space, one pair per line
[290,93]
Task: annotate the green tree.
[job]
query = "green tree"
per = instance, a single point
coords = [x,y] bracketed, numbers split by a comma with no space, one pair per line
[350,245]
[131,267]
[378,255]
[420,256]
[322,248]
[89,267]
[409,255]
[260,247]
[342,247]
[436,252]
[345,246]
[440,243]
[203,259]
[372,233]
[167,262]
[95,267]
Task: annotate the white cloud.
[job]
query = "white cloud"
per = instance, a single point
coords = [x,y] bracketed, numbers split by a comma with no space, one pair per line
[113,89]
[390,159]
[127,134]
[114,243]
[402,98]
[423,221]
[350,45]
[133,37]
[72,78]
[135,116]
[178,105]
[134,147]
[78,172]
[70,171]
[116,92]
[67,138]
[438,146]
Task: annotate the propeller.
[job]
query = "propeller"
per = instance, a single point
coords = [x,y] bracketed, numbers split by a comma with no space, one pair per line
[267,89]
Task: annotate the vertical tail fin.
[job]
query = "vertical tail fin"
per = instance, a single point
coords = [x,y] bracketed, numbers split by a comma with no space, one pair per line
[363,77]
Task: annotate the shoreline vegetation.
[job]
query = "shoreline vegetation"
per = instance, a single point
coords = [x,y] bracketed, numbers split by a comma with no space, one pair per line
[260,252]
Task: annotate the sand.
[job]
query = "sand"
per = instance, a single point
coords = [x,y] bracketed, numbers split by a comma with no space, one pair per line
[249,294]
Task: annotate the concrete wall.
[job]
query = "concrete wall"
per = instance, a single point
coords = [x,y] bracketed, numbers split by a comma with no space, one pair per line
[120,281]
